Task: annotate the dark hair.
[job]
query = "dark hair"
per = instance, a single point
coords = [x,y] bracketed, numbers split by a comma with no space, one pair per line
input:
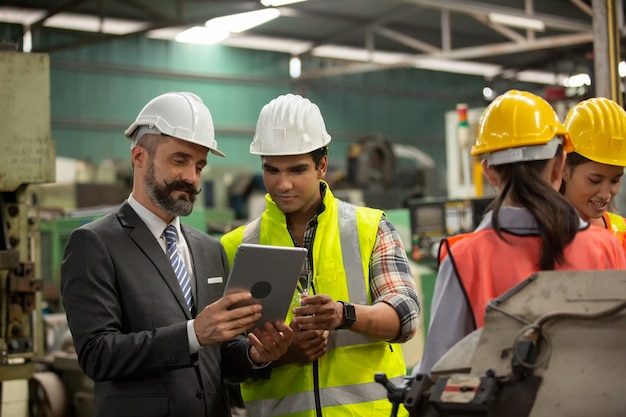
[557,219]
[318,154]
[573,160]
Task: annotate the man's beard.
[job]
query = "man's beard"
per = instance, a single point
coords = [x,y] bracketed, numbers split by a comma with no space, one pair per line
[161,195]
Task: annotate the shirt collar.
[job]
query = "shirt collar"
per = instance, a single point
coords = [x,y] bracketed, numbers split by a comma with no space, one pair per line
[154,222]
[516,220]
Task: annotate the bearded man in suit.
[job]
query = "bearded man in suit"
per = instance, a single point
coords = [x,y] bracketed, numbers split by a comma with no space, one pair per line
[143,292]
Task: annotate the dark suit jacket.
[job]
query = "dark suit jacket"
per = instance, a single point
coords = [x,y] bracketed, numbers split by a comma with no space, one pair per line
[128,317]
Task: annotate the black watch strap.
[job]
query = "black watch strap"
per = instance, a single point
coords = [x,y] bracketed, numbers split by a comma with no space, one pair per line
[349,315]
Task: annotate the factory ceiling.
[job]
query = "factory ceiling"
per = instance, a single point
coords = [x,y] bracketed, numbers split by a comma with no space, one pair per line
[353,36]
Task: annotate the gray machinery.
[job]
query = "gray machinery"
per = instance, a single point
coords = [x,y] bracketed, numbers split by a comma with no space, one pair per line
[27,157]
[553,346]
[386,173]
[38,378]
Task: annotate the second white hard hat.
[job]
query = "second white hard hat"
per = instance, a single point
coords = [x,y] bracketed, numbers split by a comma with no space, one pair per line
[289,125]
[180,115]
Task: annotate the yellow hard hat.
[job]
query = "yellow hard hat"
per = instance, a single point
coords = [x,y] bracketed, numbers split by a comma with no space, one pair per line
[518,119]
[598,130]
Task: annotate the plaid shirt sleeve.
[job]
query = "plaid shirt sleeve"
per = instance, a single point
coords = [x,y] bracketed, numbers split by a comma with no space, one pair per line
[391,279]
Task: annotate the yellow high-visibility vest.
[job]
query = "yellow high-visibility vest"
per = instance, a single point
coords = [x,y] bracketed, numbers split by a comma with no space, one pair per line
[340,383]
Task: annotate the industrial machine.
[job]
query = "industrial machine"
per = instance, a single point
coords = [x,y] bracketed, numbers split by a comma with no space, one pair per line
[384,174]
[433,219]
[27,158]
[551,346]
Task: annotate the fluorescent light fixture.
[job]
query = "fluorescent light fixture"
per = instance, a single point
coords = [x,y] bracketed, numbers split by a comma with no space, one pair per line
[578,80]
[295,67]
[166,34]
[458,67]
[622,69]
[20,16]
[540,77]
[276,3]
[265,43]
[346,53]
[201,35]
[72,21]
[517,21]
[241,22]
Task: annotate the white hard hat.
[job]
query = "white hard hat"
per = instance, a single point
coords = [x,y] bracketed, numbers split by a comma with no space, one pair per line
[289,125]
[180,115]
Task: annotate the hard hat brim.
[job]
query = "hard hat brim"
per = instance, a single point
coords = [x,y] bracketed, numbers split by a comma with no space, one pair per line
[133,128]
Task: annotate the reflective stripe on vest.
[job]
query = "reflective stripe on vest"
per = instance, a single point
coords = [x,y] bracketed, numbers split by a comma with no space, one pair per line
[252,232]
[351,257]
[334,396]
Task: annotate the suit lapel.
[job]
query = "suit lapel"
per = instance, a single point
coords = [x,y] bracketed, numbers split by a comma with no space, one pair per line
[143,238]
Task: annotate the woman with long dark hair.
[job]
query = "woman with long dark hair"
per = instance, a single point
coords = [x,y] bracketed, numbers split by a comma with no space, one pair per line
[531,227]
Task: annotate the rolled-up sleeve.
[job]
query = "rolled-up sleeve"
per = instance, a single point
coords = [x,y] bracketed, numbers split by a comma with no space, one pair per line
[391,279]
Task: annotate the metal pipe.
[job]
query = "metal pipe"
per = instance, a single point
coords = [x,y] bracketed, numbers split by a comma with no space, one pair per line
[606,81]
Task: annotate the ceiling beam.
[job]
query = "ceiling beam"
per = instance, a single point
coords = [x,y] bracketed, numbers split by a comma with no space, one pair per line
[446,31]
[406,40]
[474,7]
[504,48]
[502,30]
[456,55]
[357,28]
[141,7]
[583,6]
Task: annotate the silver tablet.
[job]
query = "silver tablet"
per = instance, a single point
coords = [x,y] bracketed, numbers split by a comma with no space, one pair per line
[270,273]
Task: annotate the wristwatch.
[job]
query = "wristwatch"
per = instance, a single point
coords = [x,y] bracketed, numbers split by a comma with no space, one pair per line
[349,315]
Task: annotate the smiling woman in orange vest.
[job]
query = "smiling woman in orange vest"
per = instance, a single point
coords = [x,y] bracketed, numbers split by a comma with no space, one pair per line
[593,171]
[530,227]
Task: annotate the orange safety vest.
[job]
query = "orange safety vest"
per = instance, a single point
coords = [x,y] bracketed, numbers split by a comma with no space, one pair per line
[615,224]
[486,266]
[447,242]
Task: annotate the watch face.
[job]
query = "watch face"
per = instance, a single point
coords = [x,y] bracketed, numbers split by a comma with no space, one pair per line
[350,312]
[349,315]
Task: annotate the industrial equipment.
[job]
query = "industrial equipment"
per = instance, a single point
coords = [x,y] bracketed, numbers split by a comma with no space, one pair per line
[463,172]
[27,158]
[384,174]
[39,372]
[551,346]
[433,219]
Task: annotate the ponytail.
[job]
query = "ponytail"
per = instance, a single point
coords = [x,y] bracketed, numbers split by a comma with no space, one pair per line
[557,219]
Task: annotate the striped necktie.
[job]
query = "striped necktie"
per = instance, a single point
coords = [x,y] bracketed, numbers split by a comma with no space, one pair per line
[178,265]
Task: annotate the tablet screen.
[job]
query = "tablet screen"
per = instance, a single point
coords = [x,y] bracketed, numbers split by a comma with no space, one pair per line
[271,274]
